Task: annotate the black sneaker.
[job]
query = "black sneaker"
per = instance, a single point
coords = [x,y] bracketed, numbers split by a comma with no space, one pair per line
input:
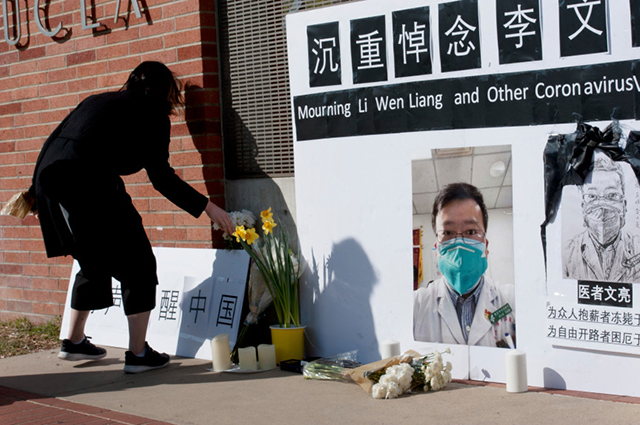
[82,351]
[151,360]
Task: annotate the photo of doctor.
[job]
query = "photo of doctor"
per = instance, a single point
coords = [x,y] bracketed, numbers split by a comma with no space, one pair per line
[463,306]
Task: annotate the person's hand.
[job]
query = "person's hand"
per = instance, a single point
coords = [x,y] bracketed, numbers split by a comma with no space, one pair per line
[220,216]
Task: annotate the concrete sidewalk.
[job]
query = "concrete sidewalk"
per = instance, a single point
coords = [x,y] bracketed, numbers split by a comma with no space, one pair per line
[39,389]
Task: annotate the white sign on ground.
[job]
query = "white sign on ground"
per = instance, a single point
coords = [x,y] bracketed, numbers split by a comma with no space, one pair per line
[199,296]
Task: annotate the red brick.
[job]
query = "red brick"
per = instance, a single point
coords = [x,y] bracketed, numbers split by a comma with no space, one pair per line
[147,45]
[124,64]
[159,28]
[7,146]
[45,308]
[15,269]
[20,306]
[86,43]
[7,58]
[10,245]
[11,293]
[32,270]
[27,119]
[47,90]
[60,271]
[123,36]
[164,56]
[42,296]
[24,93]
[189,220]
[64,101]
[36,131]
[92,69]
[35,105]
[113,80]
[33,79]
[12,133]
[61,74]
[16,257]
[164,219]
[32,53]
[45,284]
[54,116]
[59,297]
[12,108]
[32,245]
[189,21]
[111,51]
[177,8]
[83,85]
[168,234]
[54,62]
[189,52]
[199,234]
[82,57]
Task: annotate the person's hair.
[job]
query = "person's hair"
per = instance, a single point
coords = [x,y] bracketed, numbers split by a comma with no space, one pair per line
[455,192]
[605,164]
[155,80]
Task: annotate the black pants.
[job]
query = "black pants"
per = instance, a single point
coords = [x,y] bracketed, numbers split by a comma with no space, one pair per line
[109,241]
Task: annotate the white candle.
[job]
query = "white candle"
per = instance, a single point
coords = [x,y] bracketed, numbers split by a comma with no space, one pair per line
[266,356]
[389,348]
[220,351]
[516,363]
[247,358]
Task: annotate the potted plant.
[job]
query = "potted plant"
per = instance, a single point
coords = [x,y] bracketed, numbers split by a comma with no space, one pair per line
[279,268]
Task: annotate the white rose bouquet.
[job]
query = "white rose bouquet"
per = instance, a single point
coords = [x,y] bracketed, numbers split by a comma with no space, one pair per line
[390,378]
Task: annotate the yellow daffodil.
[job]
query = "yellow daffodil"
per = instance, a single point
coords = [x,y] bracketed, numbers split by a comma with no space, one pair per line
[240,233]
[268,226]
[251,236]
[266,215]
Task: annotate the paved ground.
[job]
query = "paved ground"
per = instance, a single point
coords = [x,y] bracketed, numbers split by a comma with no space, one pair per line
[39,389]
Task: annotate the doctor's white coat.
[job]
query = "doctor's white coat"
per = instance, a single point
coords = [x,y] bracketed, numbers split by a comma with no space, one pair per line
[435,318]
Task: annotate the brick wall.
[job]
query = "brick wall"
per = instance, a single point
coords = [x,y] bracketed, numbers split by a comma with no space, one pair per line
[43,78]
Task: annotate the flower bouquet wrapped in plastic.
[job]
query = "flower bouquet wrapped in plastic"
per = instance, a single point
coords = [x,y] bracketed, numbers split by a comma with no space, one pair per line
[392,377]
[334,368]
[19,205]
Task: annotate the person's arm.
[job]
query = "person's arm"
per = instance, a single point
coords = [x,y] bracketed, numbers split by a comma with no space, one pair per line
[164,180]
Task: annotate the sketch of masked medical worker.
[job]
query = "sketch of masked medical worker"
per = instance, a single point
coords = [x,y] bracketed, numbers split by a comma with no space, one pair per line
[604,251]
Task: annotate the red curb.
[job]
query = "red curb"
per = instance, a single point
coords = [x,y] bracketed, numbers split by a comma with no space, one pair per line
[21,407]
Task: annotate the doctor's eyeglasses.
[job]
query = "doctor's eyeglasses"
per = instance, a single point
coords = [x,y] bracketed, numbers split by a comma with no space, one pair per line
[610,197]
[445,235]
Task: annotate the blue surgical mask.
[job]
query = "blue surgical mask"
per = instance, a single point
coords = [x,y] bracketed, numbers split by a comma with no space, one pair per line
[462,262]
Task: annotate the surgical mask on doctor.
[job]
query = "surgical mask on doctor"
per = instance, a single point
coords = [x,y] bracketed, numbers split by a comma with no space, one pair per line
[462,261]
[604,220]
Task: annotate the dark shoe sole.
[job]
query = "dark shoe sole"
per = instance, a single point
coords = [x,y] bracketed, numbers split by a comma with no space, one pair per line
[143,368]
[79,356]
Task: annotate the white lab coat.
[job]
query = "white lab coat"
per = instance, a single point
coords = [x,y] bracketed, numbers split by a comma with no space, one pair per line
[435,318]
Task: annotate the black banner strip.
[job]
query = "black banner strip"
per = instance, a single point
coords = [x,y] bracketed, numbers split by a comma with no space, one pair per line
[593,93]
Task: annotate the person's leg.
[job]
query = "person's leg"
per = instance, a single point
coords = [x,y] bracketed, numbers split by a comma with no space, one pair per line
[138,331]
[78,320]
[77,346]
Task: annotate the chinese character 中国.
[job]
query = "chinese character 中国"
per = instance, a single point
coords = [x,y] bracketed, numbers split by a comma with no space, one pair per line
[200,304]
[227,310]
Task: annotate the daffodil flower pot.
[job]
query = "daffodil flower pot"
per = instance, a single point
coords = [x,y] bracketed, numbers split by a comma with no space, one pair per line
[289,342]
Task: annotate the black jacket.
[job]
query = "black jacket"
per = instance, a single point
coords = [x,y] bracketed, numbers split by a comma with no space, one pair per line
[108,135]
